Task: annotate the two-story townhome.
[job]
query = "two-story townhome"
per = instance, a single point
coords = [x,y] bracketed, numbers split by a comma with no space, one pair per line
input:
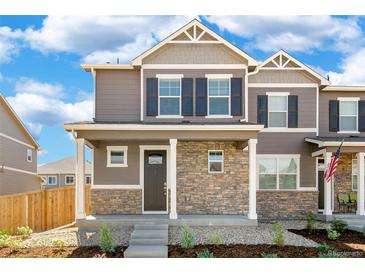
[61,173]
[18,154]
[194,125]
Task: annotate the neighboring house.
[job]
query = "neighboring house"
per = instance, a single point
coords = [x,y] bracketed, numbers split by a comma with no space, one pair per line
[196,126]
[18,154]
[62,173]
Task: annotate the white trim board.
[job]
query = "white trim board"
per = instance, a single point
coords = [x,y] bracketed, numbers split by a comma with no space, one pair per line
[289,130]
[19,170]
[282,85]
[334,143]
[194,66]
[16,140]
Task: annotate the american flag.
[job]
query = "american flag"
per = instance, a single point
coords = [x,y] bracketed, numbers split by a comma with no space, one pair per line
[332,166]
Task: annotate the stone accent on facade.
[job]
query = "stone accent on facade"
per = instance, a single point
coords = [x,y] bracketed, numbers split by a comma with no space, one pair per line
[200,192]
[286,204]
[116,201]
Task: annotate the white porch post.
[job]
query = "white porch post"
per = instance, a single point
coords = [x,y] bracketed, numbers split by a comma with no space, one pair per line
[173,213]
[327,188]
[360,184]
[80,177]
[252,179]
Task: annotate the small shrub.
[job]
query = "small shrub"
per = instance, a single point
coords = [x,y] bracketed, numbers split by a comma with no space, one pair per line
[9,242]
[57,243]
[325,247]
[278,230]
[24,232]
[215,239]
[4,232]
[106,242]
[187,238]
[269,255]
[205,254]
[332,234]
[311,222]
[331,254]
[338,225]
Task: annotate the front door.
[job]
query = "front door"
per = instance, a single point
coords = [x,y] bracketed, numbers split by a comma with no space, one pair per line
[155,187]
[320,177]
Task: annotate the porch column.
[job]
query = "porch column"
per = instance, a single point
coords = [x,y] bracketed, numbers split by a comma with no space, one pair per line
[80,177]
[252,179]
[327,188]
[172,164]
[360,184]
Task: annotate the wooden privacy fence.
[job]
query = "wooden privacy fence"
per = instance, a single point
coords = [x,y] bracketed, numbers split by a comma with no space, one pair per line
[40,210]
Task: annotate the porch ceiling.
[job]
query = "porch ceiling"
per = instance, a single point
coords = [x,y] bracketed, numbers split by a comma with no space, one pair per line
[330,144]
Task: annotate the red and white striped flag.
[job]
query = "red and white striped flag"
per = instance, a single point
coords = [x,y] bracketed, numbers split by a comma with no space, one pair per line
[332,166]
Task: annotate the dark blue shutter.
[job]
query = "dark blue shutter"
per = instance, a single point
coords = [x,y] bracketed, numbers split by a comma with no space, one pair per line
[187,96]
[262,109]
[362,116]
[293,111]
[334,112]
[201,90]
[152,96]
[236,96]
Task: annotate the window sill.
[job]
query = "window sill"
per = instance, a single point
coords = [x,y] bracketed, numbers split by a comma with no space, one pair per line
[348,132]
[169,116]
[115,165]
[218,116]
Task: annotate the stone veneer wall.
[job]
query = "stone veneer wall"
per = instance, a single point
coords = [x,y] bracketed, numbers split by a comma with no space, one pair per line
[286,204]
[116,201]
[199,192]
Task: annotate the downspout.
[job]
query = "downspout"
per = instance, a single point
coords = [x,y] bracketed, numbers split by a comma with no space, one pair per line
[246,91]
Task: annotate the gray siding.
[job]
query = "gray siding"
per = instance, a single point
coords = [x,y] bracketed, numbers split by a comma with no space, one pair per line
[306,104]
[12,182]
[281,76]
[117,95]
[193,73]
[324,98]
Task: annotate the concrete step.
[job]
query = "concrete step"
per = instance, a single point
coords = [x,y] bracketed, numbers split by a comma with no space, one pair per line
[151,227]
[149,234]
[146,241]
[146,251]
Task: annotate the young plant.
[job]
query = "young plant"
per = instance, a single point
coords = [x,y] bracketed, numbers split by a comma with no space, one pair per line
[59,244]
[338,225]
[205,254]
[106,242]
[24,232]
[187,238]
[333,234]
[215,239]
[279,237]
[4,232]
[325,247]
[269,255]
[7,241]
[331,254]
[311,222]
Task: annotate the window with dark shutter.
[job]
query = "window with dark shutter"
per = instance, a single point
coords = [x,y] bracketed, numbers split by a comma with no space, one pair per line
[236,97]
[333,116]
[292,111]
[187,96]
[262,109]
[152,96]
[201,97]
[361,116]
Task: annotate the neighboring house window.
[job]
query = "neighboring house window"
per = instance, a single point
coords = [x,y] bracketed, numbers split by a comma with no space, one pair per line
[51,180]
[219,91]
[117,156]
[169,97]
[348,115]
[215,161]
[69,180]
[278,172]
[29,155]
[277,111]
[354,174]
[88,180]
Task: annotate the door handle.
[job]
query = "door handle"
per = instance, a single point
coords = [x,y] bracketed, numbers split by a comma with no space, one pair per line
[164,188]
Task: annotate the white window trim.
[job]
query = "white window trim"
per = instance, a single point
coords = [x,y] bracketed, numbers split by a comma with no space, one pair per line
[219,77]
[169,77]
[209,161]
[68,176]
[51,176]
[88,176]
[277,94]
[29,154]
[352,174]
[348,99]
[296,157]
[117,148]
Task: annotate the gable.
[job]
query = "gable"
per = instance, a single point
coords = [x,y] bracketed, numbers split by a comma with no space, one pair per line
[282,76]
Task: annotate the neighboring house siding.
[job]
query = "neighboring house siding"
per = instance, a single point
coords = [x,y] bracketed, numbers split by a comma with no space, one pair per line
[60,180]
[281,76]
[12,182]
[194,54]
[324,98]
[117,95]
[192,73]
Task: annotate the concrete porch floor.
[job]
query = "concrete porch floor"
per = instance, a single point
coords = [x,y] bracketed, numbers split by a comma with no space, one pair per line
[191,220]
[355,222]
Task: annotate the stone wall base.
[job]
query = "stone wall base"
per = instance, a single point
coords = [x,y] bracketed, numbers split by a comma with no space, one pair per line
[286,204]
[116,201]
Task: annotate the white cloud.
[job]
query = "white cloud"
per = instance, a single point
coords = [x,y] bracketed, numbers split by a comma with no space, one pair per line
[9,45]
[294,33]
[40,104]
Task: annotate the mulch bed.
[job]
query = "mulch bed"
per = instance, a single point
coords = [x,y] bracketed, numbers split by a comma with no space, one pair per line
[67,252]
[244,251]
[350,242]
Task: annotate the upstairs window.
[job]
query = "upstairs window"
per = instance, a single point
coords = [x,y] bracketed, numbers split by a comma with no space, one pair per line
[219,91]
[348,116]
[29,155]
[169,97]
[277,111]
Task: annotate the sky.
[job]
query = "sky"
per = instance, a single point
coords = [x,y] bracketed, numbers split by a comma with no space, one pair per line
[40,58]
